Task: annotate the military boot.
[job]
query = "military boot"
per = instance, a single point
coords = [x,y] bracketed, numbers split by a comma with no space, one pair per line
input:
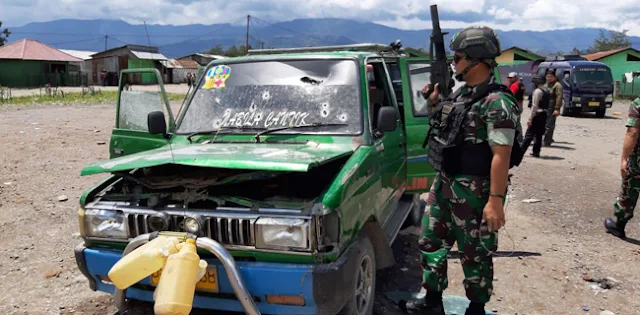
[475,309]
[615,227]
[431,304]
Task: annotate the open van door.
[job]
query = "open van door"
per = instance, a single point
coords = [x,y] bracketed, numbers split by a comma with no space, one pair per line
[416,73]
[140,92]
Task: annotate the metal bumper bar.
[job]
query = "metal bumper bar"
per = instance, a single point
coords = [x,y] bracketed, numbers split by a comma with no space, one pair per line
[213,247]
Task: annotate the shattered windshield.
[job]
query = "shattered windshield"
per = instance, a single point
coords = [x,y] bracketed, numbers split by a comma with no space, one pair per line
[592,75]
[272,94]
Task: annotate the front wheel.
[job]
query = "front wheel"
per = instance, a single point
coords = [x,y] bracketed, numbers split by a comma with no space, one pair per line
[363,284]
[600,112]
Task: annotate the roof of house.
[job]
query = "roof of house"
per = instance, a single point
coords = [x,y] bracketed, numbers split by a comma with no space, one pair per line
[82,54]
[29,49]
[148,55]
[524,50]
[189,64]
[602,54]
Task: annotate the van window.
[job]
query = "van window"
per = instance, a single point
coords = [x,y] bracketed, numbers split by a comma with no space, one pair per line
[419,76]
[592,75]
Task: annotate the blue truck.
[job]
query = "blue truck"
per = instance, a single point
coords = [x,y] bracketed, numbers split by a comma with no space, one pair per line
[587,85]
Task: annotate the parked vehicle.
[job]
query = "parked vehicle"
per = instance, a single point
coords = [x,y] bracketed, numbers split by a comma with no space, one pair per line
[304,164]
[587,85]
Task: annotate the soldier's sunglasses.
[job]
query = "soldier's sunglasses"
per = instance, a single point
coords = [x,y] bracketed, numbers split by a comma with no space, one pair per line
[456,58]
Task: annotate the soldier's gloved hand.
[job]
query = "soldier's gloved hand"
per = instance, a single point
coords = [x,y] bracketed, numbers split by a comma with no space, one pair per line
[433,98]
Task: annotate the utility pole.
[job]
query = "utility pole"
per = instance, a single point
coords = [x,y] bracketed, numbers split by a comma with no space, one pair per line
[246,41]
[261,45]
[105,42]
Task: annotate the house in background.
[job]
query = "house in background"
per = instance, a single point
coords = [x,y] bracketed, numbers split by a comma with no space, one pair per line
[516,56]
[82,67]
[625,69]
[29,63]
[201,59]
[175,71]
[127,57]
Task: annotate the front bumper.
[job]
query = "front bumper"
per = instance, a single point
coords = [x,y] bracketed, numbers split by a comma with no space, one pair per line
[325,288]
[590,106]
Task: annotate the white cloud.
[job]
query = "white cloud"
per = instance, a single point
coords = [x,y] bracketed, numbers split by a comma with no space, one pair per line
[406,14]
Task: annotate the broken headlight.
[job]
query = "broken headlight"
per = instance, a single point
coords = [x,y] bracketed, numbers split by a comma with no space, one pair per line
[282,233]
[104,224]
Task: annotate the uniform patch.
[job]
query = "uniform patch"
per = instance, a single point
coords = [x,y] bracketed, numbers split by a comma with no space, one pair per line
[216,77]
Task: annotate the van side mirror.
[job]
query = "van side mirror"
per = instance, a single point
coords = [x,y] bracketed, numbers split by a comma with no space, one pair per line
[156,123]
[387,119]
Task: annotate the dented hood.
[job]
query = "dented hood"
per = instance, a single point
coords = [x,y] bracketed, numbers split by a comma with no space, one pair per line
[262,156]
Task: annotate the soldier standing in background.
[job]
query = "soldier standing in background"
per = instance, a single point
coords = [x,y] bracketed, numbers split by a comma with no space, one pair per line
[466,199]
[630,173]
[555,88]
[536,125]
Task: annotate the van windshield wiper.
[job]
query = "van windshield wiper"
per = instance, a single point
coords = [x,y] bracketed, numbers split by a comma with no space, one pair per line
[270,130]
[221,129]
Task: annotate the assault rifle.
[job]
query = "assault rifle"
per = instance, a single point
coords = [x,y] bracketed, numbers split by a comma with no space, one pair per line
[440,68]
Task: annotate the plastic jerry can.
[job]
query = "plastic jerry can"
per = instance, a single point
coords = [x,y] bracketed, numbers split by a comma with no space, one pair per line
[176,289]
[143,261]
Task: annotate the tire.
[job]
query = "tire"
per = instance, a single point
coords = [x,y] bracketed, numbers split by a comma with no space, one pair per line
[365,270]
[600,112]
[415,216]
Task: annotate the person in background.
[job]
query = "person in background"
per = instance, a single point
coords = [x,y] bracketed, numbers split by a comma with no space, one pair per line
[630,173]
[538,118]
[555,88]
[516,87]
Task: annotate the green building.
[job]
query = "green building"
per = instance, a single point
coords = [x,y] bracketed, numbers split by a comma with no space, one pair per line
[625,68]
[517,56]
[28,63]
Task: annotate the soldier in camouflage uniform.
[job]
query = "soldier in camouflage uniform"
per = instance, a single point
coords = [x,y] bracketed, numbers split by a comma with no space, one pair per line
[468,209]
[630,172]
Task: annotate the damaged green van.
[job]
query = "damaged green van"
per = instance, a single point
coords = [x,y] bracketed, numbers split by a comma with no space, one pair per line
[297,168]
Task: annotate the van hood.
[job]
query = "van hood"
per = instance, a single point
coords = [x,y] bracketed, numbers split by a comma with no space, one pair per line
[251,156]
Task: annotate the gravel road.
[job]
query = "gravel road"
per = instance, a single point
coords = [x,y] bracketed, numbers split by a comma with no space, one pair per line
[554,256]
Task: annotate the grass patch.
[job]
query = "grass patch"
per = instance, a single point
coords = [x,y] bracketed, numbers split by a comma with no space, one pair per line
[76,98]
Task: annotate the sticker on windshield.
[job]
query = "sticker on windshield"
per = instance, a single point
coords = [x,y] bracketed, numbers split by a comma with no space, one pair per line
[216,77]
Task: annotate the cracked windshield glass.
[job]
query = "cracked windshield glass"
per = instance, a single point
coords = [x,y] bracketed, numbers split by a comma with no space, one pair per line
[272,94]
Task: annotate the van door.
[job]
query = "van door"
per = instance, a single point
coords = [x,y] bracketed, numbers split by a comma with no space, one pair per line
[416,73]
[140,91]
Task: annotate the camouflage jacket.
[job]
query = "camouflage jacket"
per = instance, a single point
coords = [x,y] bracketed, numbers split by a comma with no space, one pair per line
[493,119]
[633,120]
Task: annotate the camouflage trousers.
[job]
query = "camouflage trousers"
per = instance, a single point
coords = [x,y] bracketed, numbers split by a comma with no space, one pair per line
[628,197]
[454,214]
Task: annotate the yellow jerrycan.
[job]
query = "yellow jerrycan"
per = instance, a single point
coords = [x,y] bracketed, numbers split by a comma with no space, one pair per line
[143,261]
[176,289]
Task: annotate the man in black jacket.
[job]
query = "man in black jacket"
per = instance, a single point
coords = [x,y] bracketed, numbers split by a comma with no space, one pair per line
[538,118]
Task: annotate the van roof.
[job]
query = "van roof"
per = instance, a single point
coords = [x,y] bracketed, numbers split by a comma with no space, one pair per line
[571,64]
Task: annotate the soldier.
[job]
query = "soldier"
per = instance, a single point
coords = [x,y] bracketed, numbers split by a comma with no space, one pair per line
[555,88]
[630,173]
[470,141]
[537,119]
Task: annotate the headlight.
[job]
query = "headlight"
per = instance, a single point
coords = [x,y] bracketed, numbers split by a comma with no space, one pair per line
[193,224]
[609,98]
[282,233]
[576,99]
[104,223]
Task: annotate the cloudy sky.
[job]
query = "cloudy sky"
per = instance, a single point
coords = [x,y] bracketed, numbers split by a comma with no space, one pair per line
[404,14]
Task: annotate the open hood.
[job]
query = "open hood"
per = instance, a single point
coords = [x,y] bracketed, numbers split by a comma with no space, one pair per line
[261,156]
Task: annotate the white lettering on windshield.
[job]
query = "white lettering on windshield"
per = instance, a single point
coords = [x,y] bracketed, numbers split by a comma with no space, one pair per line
[257,118]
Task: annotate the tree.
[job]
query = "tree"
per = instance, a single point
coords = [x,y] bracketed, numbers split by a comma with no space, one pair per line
[3,35]
[576,51]
[615,40]
[218,50]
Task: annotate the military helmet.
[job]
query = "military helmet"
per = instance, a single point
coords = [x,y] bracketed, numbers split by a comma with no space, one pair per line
[537,79]
[476,42]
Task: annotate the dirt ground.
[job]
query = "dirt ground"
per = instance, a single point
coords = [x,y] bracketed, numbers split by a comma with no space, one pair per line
[554,256]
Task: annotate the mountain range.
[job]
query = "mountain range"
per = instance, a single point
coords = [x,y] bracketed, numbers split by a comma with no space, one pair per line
[176,41]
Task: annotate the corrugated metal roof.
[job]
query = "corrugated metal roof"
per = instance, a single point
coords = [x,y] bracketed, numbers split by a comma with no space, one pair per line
[149,56]
[212,56]
[82,54]
[603,54]
[29,49]
[170,63]
[189,64]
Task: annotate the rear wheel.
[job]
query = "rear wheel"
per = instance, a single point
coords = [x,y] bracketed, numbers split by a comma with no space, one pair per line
[363,284]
